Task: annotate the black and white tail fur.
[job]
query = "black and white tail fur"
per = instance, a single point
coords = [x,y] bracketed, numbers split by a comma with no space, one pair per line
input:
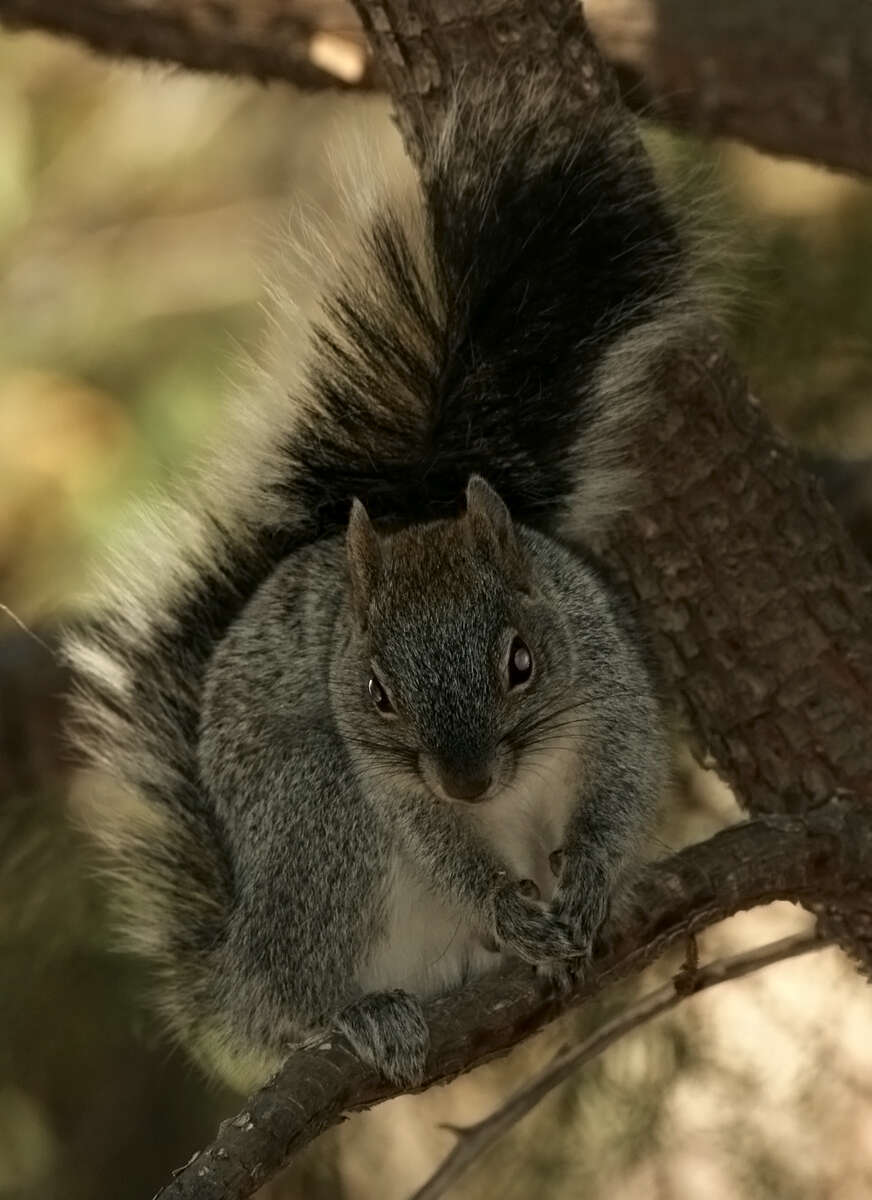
[502,318]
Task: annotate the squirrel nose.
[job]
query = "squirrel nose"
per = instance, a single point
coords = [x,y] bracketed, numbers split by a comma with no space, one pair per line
[464,787]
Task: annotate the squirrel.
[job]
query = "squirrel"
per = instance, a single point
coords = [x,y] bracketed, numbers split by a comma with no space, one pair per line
[380,722]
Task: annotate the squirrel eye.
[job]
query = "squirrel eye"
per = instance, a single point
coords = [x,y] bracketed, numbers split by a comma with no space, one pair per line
[379,696]
[520,663]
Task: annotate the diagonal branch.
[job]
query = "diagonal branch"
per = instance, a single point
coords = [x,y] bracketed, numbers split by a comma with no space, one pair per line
[474,1140]
[823,856]
[759,601]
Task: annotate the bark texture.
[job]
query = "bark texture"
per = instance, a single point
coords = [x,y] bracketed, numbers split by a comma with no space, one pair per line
[758,598]
[791,77]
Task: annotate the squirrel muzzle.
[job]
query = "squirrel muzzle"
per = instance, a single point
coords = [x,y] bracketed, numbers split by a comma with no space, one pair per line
[463,785]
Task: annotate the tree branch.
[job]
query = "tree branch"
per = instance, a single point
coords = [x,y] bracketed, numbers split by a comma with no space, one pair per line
[474,1140]
[758,599]
[266,39]
[792,77]
[819,858]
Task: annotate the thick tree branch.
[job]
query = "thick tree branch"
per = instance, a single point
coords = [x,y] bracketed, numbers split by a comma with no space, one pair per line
[474,1140]
[819,858]
[267,39]
[758,598]
[792,77]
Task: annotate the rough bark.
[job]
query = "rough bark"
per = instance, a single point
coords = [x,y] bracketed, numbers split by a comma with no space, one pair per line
[758,598]
[825,855]
[267,39]
[792,77]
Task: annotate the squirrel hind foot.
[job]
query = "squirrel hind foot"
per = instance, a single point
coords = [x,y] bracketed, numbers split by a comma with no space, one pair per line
[388,1031]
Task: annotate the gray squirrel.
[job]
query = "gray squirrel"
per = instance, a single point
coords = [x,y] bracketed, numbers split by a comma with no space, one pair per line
[378,721]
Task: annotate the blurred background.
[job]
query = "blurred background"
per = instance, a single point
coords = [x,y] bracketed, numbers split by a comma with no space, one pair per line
[137,209]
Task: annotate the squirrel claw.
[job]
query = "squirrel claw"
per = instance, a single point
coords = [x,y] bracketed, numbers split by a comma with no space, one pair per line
[557,979]
[528,929]
[585,915]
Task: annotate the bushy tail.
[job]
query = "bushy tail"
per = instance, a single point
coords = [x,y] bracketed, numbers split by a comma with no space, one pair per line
[501,318]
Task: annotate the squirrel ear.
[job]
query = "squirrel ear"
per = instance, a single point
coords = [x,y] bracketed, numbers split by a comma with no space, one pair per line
[490,528]
[486,513]
[364,559]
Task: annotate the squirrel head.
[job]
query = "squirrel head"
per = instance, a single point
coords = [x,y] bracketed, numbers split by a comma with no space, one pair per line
[454,649]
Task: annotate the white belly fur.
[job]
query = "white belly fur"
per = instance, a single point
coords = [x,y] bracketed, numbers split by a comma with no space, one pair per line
[429,946]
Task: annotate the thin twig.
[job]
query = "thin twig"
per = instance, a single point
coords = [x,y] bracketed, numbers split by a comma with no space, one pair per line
[474,1140]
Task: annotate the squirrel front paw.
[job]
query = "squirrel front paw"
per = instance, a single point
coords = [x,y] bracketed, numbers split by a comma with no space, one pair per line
[582,906]
[582,903]
[525,927]
[388,1031]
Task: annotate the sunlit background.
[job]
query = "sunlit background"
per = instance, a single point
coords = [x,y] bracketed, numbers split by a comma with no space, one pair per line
[137,208]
